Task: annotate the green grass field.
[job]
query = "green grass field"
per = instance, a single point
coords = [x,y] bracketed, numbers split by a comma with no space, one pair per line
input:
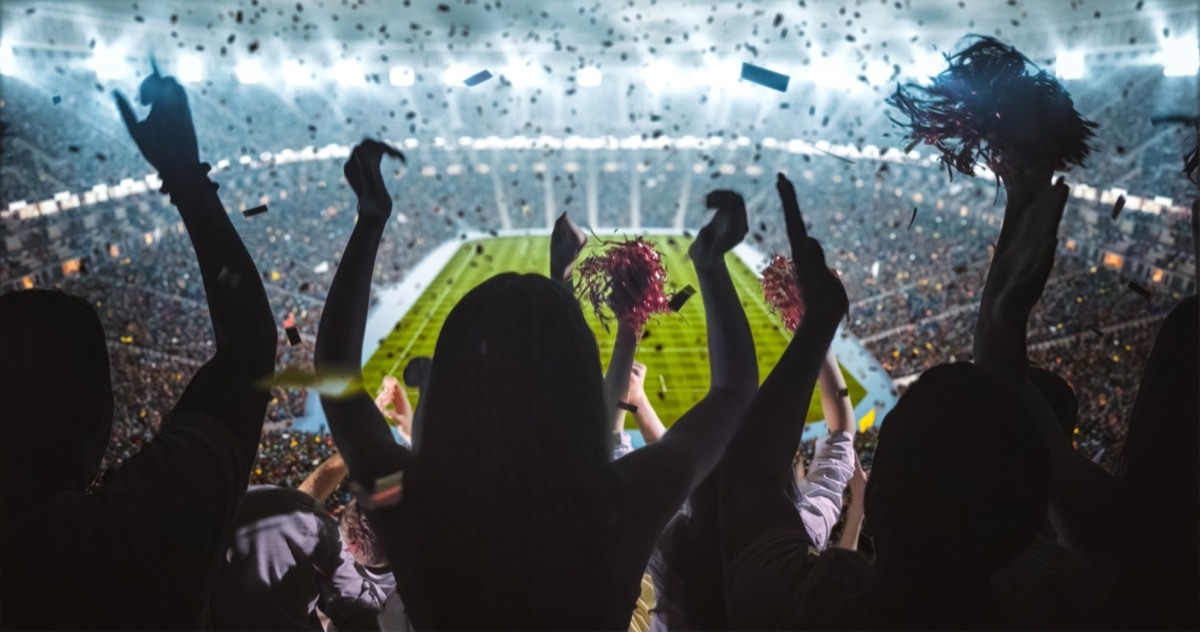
[674,350]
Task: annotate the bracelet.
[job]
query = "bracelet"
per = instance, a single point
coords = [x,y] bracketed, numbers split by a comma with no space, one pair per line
[843,393]
[627,406]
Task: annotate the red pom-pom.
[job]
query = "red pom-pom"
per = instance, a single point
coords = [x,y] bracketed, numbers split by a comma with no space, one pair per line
[781,291]
[629,279]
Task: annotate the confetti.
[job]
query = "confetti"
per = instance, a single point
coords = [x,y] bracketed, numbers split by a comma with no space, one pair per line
[1133,285]
[763,77]
[293,336]
[56,99]
[912,219]
[1120,204]
[327,384]
[477,78]
[258,210]
[681,297]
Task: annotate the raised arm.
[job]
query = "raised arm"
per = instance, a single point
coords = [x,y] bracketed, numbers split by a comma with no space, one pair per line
[1083,497]
[835,400]
[359,429]
[324,480]
[659,477]
[225,388]
[566,242]
[646,417]
[756,488]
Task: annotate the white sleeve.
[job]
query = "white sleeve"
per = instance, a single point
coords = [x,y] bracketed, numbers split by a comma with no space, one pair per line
[622,445]
[819,497]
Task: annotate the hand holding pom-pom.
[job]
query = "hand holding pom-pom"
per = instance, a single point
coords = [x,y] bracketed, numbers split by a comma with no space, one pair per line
[629,280]
[993,104]
[782,293]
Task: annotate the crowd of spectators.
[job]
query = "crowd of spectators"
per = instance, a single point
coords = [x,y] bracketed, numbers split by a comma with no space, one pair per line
[915,264]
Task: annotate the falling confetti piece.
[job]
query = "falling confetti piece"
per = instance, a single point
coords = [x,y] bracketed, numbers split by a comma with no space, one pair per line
[293,336]
[56,99]
[258,210]
[1120,204]
[763,77]
[681,297]
[1133,285]
[912,219]
[326,384]
[477,78]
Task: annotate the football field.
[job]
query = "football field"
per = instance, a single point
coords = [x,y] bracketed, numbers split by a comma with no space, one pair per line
[673,346]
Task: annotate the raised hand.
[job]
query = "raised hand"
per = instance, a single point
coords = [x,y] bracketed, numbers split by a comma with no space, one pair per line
[822,291]
[363,172]
[724,231]
[566,242]
[166,137]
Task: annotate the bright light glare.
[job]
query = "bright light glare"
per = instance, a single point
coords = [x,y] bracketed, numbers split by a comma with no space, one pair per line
[109,63]
[8,63]
[927,65]
[402,76]
[588,77]
[296,73]
[523,75]
[249,71]
[1180,57]
[1070,65]
[827,72]
[878,73]
[349,73]
[190,69]
[456,74]
[664,74]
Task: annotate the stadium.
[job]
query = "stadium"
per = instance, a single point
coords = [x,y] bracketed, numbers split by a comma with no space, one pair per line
[624,116]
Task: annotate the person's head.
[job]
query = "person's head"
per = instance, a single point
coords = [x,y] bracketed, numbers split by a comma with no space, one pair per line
[512,440]
[360,538]
[56,399]
[959,480]
[515,376]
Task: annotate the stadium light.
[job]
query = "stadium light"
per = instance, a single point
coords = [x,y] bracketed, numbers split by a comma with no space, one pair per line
[1180,57]
[402,76]
[8,63]
[349,73]
[878,73]
[927,65]
[455,75]
[827,72]
[522,75]
[588,77]
[249,71]
[296,73]
[190,69]
[110,63]
[1070,65]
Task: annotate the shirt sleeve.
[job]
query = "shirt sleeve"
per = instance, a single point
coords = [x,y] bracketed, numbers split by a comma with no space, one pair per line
[819,497]
[621,445]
